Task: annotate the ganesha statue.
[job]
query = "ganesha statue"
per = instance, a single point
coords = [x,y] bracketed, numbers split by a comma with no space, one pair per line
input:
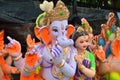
[55,54]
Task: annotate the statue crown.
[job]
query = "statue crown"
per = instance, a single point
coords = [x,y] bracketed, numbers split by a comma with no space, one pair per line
[59,12]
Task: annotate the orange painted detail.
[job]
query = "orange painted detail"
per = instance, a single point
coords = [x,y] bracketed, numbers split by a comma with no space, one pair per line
[31,59]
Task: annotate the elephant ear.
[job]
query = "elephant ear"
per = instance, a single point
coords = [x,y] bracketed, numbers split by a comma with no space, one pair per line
[115,47]
[70,30]
[1,39]
[37,33]
[43,34]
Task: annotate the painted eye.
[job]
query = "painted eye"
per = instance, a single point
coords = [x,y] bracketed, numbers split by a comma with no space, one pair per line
[81,41]
[86,40]
[93,42]
[66,29]
[55,30]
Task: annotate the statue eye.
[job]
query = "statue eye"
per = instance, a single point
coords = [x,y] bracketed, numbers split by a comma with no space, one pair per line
[81,42]
[66,29]
[86,40]
[55,30]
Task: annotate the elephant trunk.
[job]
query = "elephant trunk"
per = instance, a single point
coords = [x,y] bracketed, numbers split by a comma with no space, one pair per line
[63,41]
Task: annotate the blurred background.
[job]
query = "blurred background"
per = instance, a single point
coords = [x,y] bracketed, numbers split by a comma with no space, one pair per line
[17,17]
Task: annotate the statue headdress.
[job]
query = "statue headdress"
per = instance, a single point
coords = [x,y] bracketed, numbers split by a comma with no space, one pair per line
[86,25]
[80,29]
[59,12]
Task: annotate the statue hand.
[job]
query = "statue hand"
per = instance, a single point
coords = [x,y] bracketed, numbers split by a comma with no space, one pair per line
[86,63]
[32,61]
[14,70]
[13,47]
[78,59]
[57,54]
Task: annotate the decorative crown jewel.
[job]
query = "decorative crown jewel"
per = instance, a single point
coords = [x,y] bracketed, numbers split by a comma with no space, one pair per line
[80,29]
[86,25]
[59,12]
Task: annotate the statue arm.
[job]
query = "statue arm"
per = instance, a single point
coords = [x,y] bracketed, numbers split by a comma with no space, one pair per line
[69,68]
[90,72]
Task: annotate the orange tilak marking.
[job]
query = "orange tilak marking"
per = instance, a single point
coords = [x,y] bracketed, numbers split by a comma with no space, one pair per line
[62,28]
[62,33]
[31,59]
